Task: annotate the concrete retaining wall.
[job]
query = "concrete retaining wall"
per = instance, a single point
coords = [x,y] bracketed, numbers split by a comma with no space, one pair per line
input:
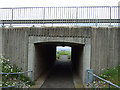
[1,46]
[15,46]
[118,40]
[104,48]
[105,45]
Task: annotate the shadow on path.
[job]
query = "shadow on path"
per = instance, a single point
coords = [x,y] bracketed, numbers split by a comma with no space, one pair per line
[60,76]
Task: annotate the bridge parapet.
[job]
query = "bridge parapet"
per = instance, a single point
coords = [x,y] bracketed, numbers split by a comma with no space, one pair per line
[60,32]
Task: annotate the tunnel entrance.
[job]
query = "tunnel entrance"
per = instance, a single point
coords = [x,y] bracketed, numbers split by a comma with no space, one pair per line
[42,57]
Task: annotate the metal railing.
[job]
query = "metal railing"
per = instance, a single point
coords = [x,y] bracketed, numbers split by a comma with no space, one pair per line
[80,16]
[90,79]
[16,73]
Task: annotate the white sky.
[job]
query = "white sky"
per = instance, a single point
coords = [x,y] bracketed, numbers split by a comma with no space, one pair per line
[59,48]
[53,3]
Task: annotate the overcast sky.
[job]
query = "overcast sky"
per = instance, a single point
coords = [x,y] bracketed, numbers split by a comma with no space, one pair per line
[53,3]
[59,48]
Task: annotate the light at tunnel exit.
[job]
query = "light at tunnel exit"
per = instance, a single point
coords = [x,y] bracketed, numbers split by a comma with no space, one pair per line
[63,53]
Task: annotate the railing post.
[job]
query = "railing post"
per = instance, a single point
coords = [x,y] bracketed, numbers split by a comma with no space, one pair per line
[110,17]
[109,86]
[89,77]
[11,19]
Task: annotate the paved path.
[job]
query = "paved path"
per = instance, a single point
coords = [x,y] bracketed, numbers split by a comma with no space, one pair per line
[63,57]
[60,76]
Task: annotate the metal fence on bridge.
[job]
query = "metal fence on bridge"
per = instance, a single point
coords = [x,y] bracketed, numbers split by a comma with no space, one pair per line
[60,16]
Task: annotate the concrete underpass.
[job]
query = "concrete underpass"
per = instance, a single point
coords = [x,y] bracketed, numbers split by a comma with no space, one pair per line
[35,49]
[60,71]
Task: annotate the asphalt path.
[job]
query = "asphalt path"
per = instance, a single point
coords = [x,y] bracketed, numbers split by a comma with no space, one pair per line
[60,76]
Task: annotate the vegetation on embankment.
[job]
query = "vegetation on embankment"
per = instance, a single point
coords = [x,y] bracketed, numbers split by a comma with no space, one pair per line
[13,80]
[63,52]
[112,74]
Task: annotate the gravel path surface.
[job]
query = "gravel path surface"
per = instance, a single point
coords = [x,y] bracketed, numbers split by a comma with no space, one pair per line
[60,76]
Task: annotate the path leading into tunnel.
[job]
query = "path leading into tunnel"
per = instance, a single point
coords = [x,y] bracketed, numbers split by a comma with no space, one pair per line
[60,76]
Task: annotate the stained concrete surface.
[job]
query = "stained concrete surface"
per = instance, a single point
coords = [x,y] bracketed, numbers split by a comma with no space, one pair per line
[18,45]
[60,76]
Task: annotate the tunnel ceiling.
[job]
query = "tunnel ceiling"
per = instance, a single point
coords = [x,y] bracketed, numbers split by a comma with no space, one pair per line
[59,43]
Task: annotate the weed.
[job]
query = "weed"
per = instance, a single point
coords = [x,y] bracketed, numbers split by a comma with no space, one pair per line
[112,74]
[13,79]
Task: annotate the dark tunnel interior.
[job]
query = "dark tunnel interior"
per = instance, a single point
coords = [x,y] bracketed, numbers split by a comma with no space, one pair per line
[45,59]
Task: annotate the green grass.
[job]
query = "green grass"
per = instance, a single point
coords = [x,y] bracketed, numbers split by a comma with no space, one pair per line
[112,74]
[58,53]
[64,52]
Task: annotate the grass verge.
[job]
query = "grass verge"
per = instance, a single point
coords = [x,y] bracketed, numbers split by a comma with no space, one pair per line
[112,74]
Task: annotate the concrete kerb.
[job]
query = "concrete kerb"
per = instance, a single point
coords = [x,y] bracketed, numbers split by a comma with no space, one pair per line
[41,80]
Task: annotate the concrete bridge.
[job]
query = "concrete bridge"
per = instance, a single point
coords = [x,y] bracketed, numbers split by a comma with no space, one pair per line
[34,48]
